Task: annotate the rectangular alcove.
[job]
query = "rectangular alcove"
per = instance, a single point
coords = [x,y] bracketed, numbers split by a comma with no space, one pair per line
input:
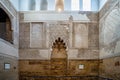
[6,66]
[81,66]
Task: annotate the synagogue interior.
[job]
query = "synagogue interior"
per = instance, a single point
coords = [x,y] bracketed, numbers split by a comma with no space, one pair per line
[59,39]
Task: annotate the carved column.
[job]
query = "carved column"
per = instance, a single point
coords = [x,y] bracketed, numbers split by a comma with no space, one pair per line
[70,31]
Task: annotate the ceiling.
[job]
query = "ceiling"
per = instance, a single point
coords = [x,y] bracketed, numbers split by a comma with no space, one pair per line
[27,5]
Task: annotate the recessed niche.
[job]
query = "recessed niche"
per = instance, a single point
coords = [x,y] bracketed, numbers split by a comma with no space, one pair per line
[117,63]
[81,66]
[6,66]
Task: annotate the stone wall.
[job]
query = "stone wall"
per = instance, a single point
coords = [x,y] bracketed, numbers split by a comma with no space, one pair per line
[78,30]
[14,18]
[8,51]
[58,67]
[8,74]
[34,68]
[79,34]
[110,68]
[83,67]
[109,29]
[6,47]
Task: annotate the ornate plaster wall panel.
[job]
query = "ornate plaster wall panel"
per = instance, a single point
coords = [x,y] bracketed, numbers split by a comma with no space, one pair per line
[110,33]
[10,9]
[107,8]
[50,31]
[8,51]
[93,36]
[80,36]
[58,30]
[36,35]
[54,25]
[24,35]
[6,47]
[109,28]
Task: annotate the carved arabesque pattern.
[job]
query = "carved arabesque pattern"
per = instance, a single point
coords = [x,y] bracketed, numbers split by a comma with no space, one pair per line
[59,44]
[57,30]
[59,49]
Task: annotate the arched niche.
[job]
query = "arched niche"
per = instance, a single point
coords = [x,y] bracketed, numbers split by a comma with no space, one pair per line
[59,58]
[59,49]
[5,26]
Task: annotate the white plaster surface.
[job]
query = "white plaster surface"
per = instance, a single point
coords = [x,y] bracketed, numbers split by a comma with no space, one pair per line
[72,53]
[110,34]
[117,48]
[7,48]
[42,54]
[111,26]
[89,54]
[81,36]
[36,37]
[54,16]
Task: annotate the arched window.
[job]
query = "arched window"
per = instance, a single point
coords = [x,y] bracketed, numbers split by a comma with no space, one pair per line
[5,26]
[44,5]
[86,5]
[75,5]
[32,5]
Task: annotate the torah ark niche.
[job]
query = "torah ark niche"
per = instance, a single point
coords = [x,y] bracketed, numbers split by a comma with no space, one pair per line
[59,58]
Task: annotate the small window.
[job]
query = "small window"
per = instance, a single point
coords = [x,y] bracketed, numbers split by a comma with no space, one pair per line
[86,5]
[75,5]
[6,66]
[81,66]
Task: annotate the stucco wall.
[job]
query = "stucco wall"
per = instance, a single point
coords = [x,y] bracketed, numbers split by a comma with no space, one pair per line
[8,74]
[109,29]
[8,51]
[39,30]
[15,3]
[78,30]
[6,47]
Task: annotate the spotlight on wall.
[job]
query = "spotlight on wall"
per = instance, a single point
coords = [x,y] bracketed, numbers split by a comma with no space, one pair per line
[59,10]
[59,5]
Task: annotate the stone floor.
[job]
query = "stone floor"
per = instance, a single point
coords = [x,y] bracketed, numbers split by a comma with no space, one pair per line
[64,78]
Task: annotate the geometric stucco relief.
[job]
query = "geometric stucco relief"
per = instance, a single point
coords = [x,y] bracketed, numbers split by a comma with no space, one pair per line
[80,35]
[111,34]
[36,35]
[58,30]
[111,26]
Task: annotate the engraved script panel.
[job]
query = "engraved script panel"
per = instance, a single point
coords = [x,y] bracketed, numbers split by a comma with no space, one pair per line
[80,36]
[36,31]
